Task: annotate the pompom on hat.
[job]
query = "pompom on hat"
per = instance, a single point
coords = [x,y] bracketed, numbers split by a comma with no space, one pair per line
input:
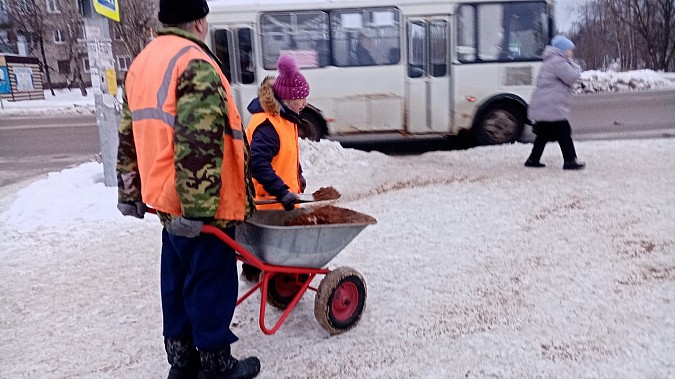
[290,84]
[174,12]
[562,43]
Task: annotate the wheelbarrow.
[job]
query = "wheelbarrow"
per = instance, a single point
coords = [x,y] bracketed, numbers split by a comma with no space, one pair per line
[290,257]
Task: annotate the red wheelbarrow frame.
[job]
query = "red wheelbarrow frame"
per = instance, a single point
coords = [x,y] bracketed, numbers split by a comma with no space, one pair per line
[267,272]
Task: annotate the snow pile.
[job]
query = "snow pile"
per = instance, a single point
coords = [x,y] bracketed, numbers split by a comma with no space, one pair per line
[82,197]
[610,81]
[63,102]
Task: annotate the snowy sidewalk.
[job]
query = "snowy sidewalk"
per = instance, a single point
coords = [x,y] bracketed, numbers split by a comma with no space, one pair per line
[477,268]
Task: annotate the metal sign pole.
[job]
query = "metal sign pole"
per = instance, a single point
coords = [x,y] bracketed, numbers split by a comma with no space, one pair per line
[104,87]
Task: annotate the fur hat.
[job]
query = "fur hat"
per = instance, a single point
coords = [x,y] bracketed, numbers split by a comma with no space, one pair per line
[290,84]
[173,12]
[562,43]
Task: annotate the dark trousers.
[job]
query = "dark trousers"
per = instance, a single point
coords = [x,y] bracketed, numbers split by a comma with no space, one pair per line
[199,286]
[553,131]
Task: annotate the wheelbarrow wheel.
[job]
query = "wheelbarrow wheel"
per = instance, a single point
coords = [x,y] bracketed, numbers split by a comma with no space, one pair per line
[282,288]
[340,300]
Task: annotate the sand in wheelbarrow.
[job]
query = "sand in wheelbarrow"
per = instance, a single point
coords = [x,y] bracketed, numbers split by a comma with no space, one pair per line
[329,214]
[326,193]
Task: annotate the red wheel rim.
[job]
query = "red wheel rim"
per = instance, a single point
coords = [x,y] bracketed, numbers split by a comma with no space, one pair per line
[345,301]
[286,285]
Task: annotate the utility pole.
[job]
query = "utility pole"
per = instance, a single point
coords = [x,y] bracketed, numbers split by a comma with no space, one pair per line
[103,79]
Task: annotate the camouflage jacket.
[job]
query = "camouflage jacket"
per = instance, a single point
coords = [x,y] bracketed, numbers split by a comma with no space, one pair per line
[198,146]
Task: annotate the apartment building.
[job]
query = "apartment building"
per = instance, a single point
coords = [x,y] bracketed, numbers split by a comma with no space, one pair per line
[64,41]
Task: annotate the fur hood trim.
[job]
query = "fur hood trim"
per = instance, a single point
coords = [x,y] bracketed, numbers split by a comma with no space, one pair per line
[268,100]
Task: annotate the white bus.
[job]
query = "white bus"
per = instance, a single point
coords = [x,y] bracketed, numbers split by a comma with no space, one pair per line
[383,68]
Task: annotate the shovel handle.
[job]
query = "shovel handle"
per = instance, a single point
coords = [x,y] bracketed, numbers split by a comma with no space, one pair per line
[302,198]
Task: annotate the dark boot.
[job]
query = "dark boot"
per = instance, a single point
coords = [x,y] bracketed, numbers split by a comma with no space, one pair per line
[183,358]
[221,365]
[530,163]
[250,273]
[574,165]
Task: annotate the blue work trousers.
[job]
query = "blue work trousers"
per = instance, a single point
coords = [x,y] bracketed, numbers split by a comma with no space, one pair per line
[199,286]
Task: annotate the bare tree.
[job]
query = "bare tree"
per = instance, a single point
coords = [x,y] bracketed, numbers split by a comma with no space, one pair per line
[594,35]
[636,33]
[138,20]
[75,46]
[29,19]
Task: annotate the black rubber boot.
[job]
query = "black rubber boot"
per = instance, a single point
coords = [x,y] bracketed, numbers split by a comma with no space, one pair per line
[221,365]
[574,165]
[529,163]
[183,358]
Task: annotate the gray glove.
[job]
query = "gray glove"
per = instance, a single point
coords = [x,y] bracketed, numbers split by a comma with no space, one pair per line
[133,208]
[184,227]
[289,200]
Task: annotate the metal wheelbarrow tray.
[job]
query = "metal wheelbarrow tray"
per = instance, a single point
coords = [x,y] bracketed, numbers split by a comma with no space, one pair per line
[290,257]
[303,245]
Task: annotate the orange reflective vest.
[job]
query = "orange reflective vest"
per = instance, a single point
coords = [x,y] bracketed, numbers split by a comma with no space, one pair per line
[151,96]
[286,162]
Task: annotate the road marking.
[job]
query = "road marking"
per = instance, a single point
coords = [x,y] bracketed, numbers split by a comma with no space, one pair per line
[45,126]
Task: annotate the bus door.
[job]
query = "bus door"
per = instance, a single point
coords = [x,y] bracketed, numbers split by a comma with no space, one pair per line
[233,45]
[428,94]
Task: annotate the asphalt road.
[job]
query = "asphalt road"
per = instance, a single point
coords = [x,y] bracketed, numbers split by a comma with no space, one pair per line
[624,115]
[31,146]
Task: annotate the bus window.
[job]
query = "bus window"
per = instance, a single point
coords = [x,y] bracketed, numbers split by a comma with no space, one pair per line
[222,51]
[466,45]
[417,43]
[304,34]
[505,32]
[490,31]
[438,42]
[428,48]
[526,30]
[365,37]
[246,64]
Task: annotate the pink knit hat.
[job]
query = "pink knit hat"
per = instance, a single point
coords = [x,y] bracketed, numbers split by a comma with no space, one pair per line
[290,84]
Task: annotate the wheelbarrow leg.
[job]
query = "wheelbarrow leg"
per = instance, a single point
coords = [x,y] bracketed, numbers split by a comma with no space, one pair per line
[293,303]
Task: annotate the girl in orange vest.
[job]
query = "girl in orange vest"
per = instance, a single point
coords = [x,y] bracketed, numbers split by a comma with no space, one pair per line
[273,132]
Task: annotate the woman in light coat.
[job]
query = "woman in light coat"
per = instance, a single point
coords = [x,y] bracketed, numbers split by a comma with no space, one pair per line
[550,105]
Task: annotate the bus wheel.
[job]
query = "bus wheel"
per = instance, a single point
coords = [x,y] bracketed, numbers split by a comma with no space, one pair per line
[310,127]
[499,123]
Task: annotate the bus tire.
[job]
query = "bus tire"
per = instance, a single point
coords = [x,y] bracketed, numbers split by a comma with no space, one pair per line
[311,127]
[499,123]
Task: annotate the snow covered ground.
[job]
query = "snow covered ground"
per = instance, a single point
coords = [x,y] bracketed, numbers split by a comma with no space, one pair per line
[477,268]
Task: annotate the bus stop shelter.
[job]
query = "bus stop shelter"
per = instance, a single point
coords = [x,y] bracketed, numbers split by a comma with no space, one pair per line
[20,78]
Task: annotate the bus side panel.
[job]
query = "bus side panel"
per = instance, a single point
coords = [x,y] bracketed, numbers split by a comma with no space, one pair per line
[358,99]
[482,81]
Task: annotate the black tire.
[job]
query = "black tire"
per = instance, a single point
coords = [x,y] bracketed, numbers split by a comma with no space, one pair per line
[340,300]
[499,123]
[311,127]
[282,288]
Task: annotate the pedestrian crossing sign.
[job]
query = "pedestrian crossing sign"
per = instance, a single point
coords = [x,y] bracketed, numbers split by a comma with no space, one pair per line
[108,8]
